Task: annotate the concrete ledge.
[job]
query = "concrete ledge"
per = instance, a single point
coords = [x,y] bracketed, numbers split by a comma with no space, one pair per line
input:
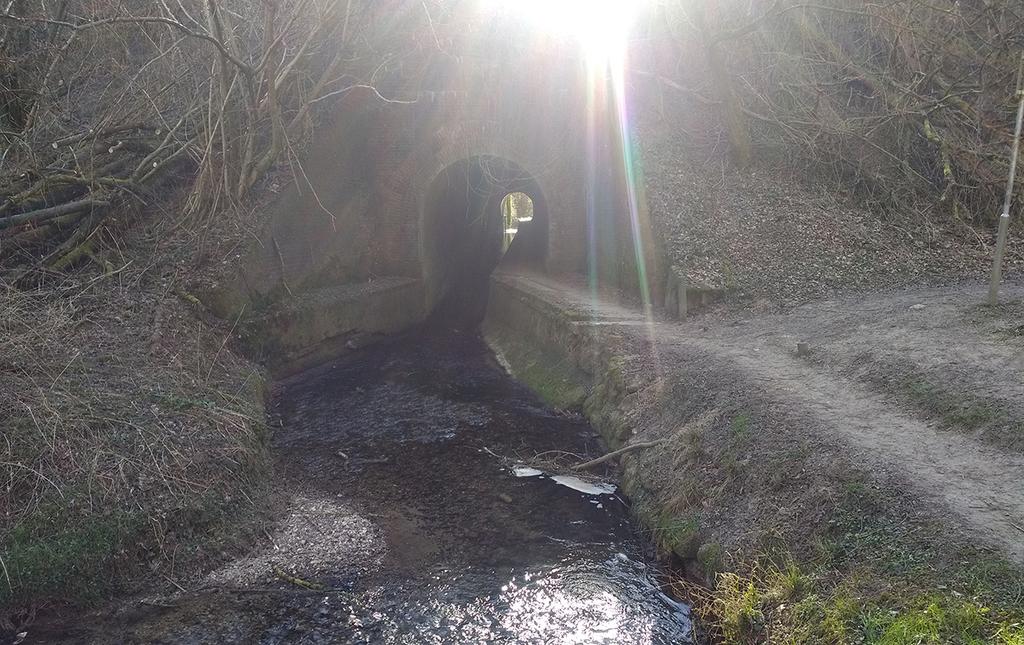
[318,324]
[553,343]
[532,337]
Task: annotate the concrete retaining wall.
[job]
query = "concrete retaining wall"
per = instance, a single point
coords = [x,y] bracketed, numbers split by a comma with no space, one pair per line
[323,323]
[559,352]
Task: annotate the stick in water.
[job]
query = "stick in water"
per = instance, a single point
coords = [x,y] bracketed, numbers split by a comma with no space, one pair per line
[621,451]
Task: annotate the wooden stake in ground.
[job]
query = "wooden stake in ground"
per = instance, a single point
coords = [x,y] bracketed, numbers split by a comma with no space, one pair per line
[1004,218]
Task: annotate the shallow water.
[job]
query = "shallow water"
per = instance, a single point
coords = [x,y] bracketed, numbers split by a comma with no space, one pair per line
[402,505]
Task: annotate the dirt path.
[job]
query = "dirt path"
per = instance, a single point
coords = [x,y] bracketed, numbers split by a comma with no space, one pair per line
[943,337]
[956,473]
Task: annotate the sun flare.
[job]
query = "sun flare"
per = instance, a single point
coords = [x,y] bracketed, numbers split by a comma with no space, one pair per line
[600,27]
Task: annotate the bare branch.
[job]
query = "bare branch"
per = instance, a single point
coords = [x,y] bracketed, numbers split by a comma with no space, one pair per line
[44,214]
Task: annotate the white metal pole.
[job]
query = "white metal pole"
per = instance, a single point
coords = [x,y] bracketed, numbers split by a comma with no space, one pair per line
[1004,218]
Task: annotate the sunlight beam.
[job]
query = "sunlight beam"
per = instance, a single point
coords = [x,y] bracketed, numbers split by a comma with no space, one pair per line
[600,27]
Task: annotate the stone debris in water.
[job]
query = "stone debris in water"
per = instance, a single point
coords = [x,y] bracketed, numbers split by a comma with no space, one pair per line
[575,483]
[588,488]
[526,471]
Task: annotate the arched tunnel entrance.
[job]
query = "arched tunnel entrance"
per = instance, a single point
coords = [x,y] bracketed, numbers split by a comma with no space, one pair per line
[465,234]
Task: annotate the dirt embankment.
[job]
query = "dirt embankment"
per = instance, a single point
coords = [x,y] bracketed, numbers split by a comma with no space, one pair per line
[776,234]
[133,437]
[813,506]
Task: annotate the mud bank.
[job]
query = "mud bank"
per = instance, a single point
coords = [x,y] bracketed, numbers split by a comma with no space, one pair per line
[786,529]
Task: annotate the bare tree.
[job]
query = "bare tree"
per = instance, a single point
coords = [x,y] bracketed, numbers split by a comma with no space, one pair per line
[105,105]
[909,100]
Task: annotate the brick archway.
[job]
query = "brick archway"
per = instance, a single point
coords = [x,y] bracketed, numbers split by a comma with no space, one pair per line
[461,230]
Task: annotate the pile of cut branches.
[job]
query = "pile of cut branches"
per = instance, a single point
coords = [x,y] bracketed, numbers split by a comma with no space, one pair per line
[106,106]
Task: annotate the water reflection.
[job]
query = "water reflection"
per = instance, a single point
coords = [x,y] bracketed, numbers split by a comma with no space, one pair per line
[575,602]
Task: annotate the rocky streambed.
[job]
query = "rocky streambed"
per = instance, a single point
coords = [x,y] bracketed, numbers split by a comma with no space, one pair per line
[410,513]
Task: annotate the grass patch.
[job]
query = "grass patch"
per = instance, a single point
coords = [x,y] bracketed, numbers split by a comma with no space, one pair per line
[740,426]
[845,619]
[679,535]
[874,579]
[782,604]
[53,553]
[1002,320]
[738,604]
[954,409]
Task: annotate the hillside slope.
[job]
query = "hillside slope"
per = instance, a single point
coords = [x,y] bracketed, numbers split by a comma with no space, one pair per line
[779,233]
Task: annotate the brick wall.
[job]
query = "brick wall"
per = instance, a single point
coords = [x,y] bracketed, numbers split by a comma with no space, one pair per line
[360,208]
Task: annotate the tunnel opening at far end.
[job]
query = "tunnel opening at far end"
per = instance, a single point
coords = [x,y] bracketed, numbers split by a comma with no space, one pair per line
[516,211]
[481,212]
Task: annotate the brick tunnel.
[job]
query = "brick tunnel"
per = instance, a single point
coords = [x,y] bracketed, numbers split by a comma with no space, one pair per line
[463,232]
[394,214]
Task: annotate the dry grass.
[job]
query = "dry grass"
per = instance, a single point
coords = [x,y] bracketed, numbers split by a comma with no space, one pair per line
[128,428]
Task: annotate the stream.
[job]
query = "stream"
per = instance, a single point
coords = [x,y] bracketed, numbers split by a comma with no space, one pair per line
[410,516]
